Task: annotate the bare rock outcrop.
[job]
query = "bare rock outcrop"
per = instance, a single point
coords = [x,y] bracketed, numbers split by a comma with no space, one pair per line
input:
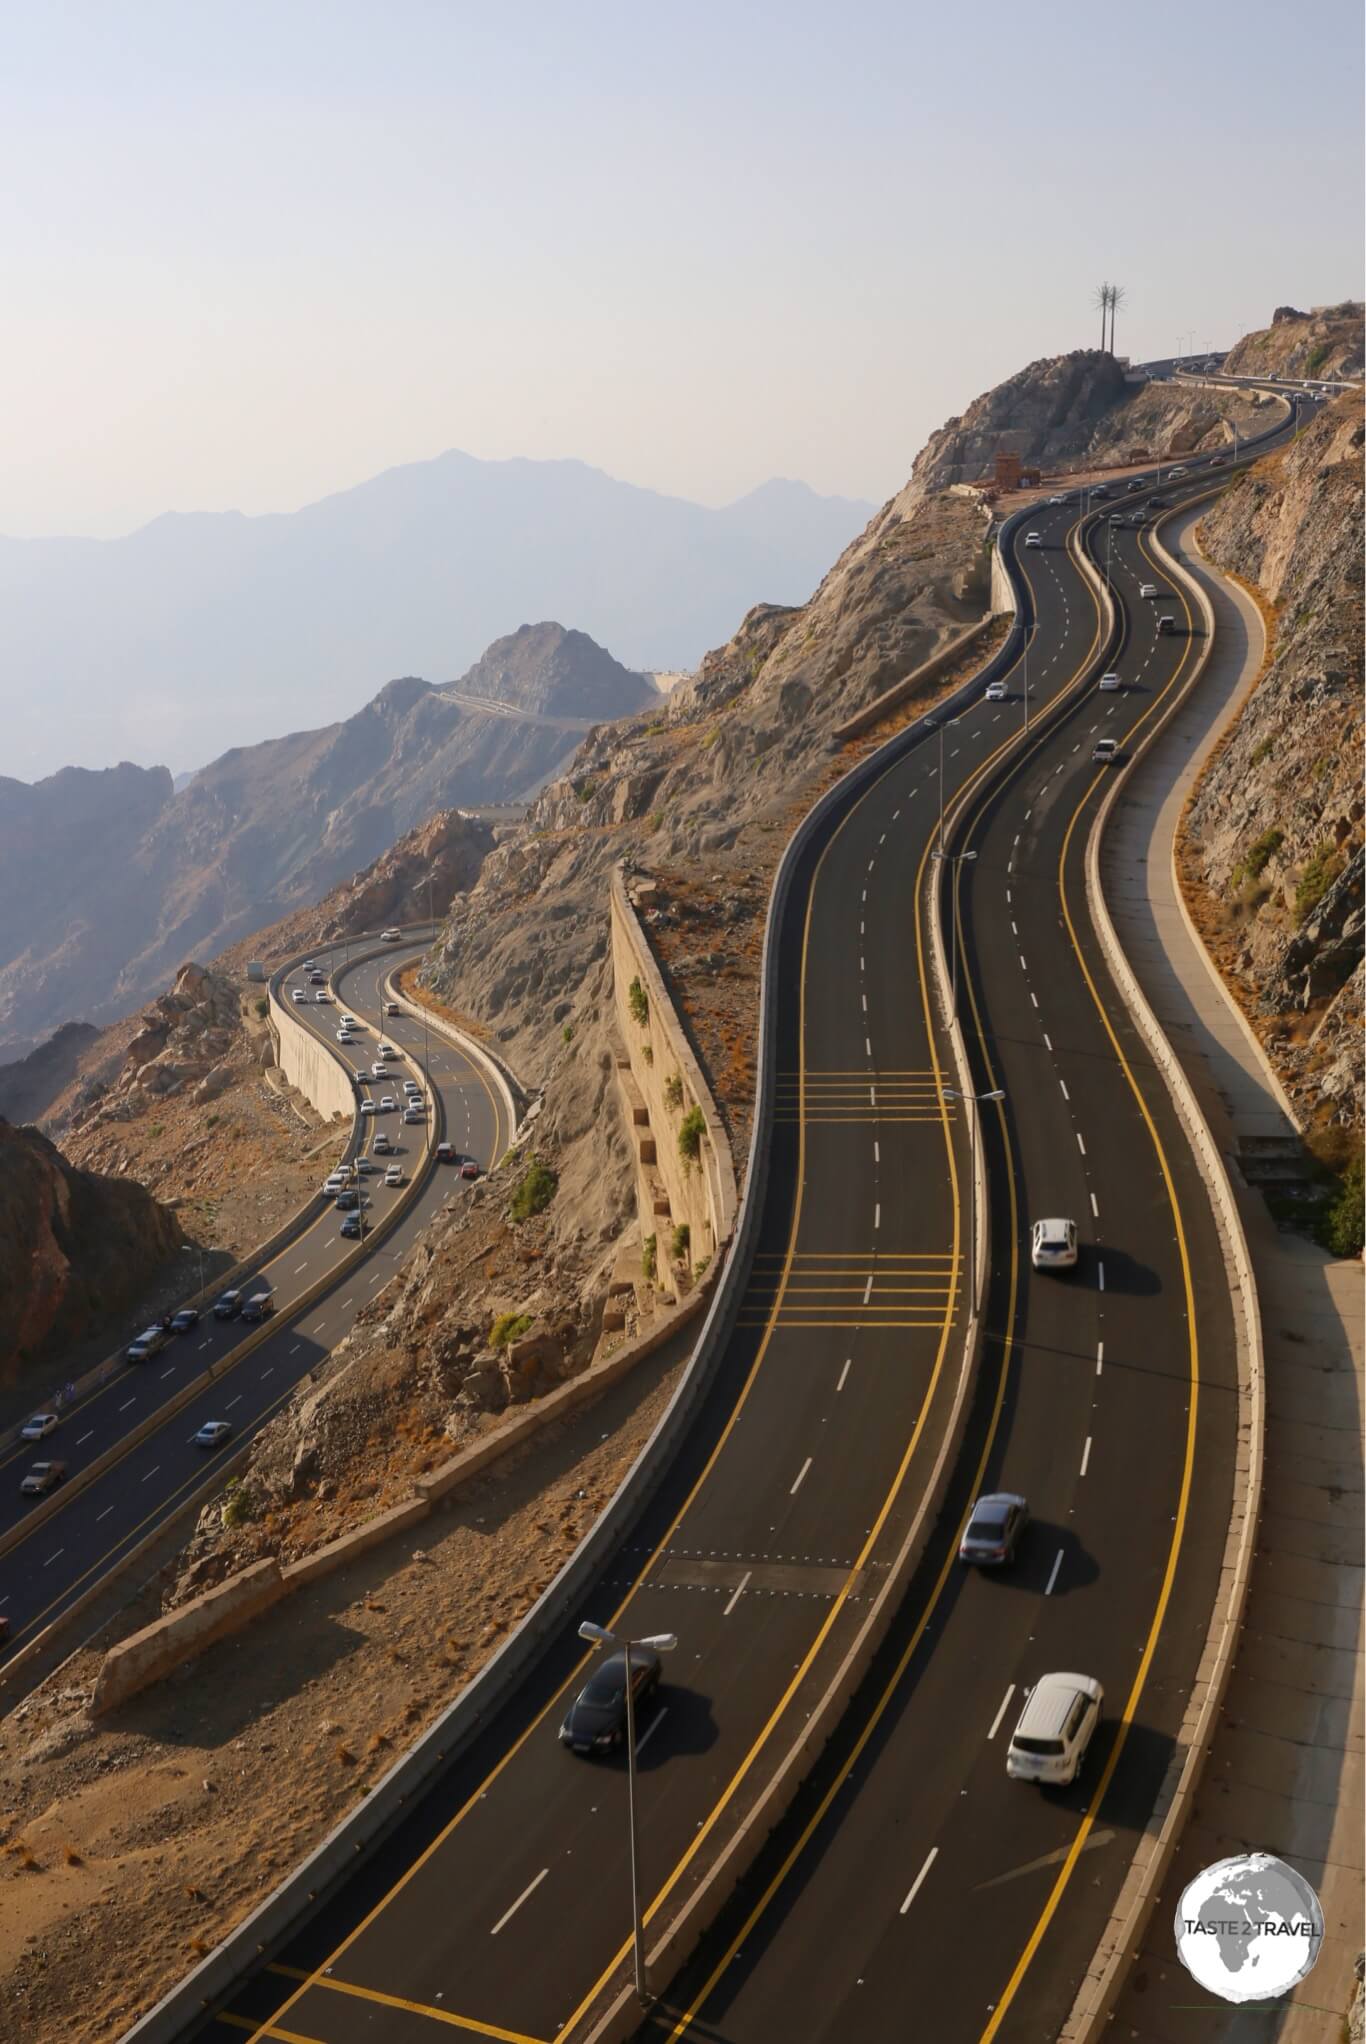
[1273,836]
[1325,342]
[75,1248]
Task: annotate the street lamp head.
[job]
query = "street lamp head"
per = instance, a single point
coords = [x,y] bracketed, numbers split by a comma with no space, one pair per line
[659,1642]
[597,1635]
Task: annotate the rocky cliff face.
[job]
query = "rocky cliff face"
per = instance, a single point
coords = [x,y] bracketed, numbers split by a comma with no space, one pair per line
[116,879]
[29,1086]
[1326,342]
[1273,835]
[75,1249]
[1069,411]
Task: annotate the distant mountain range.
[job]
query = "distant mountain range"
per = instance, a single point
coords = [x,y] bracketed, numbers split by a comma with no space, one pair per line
[113,878]
[210,629]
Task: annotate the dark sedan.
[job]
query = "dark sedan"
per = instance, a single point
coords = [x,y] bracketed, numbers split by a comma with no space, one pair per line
[596,1720]
[994,1529]
[228,1306]
[184,1320]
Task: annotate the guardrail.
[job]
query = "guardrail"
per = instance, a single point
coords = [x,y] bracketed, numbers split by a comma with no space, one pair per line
[510,1088]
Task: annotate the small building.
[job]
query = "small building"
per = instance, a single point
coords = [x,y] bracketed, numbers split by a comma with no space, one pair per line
[256,970]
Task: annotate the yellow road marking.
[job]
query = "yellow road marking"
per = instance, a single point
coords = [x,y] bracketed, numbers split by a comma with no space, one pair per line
[470,2024]
[247,2023]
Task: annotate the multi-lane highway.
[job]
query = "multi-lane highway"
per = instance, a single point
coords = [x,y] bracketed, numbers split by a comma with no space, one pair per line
[501,1907]
[96,1526]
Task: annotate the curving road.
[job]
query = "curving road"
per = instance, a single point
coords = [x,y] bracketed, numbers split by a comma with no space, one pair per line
[499,1907]
[95,1528]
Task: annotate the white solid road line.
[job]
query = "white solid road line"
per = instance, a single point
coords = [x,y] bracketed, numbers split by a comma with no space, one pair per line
[1080,1144]
[233,1401]
[1095,1210]
[1005,1706]
[931,1857]
[736,1594]
[848,1364]
[1100,1357]
[1065,1094]
[800,1477]
[650,1729]
[131,1401]
[104,1514]
[877,1215]
[301,1266]
[85,1437]
[1047,1042]
[510,1913]
[168,1373]
[1053,1577]
[868,1291]
[151,1473]
[60,1552]
[1085,1455]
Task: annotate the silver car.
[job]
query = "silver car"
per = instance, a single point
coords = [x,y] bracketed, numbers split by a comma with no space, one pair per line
[1053,1245]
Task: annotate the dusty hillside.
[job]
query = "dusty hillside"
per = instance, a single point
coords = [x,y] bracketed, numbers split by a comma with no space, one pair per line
[1326,342]
[1077,410]
[29,1085]
[117,878]
[75,1249]
[1273,836]
[183,1098]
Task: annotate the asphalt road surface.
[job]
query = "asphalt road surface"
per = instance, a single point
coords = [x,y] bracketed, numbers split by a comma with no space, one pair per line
[71,1550]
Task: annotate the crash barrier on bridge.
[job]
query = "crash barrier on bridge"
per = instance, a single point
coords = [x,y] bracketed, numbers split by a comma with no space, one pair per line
[182,1635]
[700,1196]
[511,1091]
[433,1132]
[1123,1935]
[331,1863]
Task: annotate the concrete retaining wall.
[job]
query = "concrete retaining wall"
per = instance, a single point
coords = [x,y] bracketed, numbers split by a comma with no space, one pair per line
[669,1193]
[148,1655]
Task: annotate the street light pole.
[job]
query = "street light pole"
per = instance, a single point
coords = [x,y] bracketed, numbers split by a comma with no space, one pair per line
[955,859]
[976,1100]
[657,1643]
[1029,639]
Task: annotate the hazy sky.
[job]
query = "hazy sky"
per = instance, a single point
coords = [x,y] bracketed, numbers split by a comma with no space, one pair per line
[256,252]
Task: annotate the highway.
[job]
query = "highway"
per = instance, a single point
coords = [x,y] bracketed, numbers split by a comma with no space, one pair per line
[95,1527]
[501,1907]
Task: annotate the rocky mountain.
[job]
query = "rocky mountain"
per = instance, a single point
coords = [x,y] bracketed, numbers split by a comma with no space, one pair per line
[1272,845]
[75,1249]
[115,878]
[189,635]
[28,1086]
[1072,410]
[1326,342]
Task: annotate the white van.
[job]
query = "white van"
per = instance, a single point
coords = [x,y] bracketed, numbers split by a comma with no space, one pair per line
[391,936]
[1056,1726]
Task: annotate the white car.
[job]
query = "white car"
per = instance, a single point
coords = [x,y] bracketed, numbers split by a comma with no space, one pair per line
[1056,1726]
[380,1071]
[349,1022]
[1108,683]
[385,1049]
[1053,1245]
[412,1114]
[322,995]
[212,1434]
[1057,500]
[411,1086]
[393,1007]
[363,1166]
[336,1181]
[367,1107]
[1105,752]
[1173,473]
[39,1427]
[1033,539]
[380,1144]
[391,936]
[1147,588]
[387,1103]
[394,1175]
[297,994]
[995,692]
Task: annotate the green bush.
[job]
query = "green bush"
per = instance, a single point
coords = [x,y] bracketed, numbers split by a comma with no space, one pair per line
[649,1256]
[673,1091]
[1316,359]
[585,790]
[682,1236]
[637,1003]
[647,1051]
[507,1328]
[1262,750]
[1315,880]
[691,1130]
[1344,1215]
[262,1008]
[534,1192]
[701,1269]
[568,1032]
[1257,857]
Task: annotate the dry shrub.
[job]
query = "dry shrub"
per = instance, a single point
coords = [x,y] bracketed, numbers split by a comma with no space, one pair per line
[72,1857]
[346,1757]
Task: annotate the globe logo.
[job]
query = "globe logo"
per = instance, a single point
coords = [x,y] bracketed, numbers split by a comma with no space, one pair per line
[1249,1928]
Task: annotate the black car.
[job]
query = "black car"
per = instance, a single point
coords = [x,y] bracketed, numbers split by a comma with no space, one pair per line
[596,1720]
[185,1319]
[347,1201]
[352,1225]
[994,1529]
[1157,503]
[228,1306]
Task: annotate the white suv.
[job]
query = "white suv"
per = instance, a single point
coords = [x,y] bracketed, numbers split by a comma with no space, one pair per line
[1056,1726]
[1053,1245]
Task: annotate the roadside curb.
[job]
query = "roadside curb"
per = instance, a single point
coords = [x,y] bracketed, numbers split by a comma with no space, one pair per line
[1122,1938]
[506,1082]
